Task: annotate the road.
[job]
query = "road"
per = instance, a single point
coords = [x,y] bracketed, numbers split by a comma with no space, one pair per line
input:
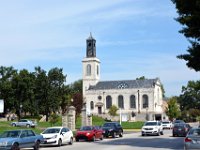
[129,141]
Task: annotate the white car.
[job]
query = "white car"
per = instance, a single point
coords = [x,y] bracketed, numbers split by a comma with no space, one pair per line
[57,136]
[167,124]
[152,128]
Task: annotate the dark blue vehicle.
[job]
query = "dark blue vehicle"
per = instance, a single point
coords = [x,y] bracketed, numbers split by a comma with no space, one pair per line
[16,139]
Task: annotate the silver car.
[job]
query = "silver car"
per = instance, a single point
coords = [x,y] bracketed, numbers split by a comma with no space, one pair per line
[24,122]
[192,140]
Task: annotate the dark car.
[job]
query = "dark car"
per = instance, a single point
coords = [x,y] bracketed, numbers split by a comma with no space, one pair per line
[192,140]
[89,133]
[112,129]
[180,129]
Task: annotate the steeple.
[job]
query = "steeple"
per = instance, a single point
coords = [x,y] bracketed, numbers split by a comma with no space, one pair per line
[90,46]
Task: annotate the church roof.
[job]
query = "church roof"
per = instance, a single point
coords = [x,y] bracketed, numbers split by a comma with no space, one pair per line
[124,84]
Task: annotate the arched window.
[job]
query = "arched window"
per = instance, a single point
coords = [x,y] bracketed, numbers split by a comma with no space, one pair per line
[145,101]
[132,101]
[108,102]
[97,70]
[88,70]
[120,101]
[91,105]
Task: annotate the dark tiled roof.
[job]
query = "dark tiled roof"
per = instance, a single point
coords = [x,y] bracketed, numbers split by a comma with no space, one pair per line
[124,84]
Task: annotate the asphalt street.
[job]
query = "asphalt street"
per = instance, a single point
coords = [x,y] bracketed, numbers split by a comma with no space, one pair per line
[130,141]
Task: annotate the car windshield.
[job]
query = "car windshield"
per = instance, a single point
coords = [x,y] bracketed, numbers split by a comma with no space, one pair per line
[195,132]
[12,134]
[150,123]
[166,122]
[179,121]
[85,128]
[109,125]
[51,130]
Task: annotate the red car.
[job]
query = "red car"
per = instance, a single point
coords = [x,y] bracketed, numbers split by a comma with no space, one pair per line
[89,133]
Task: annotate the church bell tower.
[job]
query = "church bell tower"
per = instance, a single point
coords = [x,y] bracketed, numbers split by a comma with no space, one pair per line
[91,65]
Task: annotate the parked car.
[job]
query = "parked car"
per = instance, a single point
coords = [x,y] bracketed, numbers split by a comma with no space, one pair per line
[152,128]
[57,136]
[192,140]
[17,139]
[89,133]
[112,129]
[167,124]
[24,123]
[178,121]
[180,129]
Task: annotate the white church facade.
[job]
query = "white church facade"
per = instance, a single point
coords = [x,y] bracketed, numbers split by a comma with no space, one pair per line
[135,99]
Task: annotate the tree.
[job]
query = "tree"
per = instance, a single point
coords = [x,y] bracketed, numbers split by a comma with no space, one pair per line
[189,17]
[113,110]
[6,90]
[172,109]
[191,96]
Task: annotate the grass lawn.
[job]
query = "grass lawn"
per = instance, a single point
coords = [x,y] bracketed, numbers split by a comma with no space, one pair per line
[5,125]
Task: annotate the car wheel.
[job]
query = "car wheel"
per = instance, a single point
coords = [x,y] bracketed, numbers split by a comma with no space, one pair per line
[161,133]
[71,141]
[37,145]
[14,125]
[158,134]
[121,134]
[15,146]
[142,134]
[101,138]
[93,138]
[114,135]
[28,125]
[59,142]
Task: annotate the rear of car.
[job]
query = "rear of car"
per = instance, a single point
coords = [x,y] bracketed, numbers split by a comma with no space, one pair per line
[152,128]
[180,129]
[167,124]
[192,140]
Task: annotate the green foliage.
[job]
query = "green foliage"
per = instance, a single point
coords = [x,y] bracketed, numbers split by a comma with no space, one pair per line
[141,78]
[189,18]
[191,95]
[173,110]
[132,125]
[113,110]
[54,118]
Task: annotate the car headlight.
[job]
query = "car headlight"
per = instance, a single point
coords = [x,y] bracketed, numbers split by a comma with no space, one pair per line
[88,133]
[54,137]
[4,143]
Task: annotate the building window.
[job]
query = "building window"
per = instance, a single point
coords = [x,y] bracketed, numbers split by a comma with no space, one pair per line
[132,101]
[108,102]
[145,101]
[91,105]
[120,101]
[88,70]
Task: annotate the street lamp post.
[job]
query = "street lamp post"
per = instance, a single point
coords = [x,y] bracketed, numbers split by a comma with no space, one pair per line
[138,101]
[147,117]
[20,111]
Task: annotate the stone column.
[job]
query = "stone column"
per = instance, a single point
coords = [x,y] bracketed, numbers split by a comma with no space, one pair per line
[83,116]
[65,119]
[89,120]
[71,118]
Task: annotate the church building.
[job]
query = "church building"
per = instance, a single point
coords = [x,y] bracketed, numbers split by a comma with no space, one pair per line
[136,100]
